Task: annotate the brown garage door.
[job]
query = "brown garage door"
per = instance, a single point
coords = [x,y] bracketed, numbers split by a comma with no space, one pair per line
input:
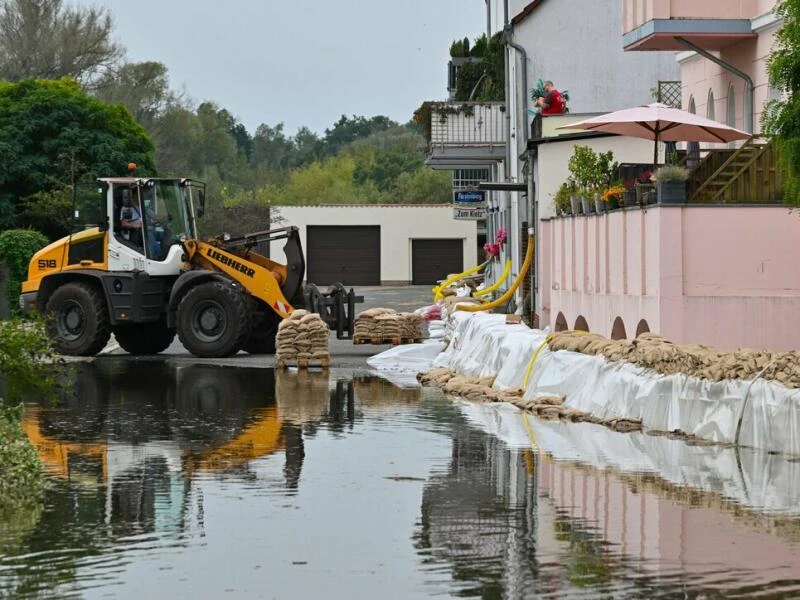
[432,260]
[349,254]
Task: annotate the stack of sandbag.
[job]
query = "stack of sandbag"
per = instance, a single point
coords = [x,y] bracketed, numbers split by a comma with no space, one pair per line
[661,355]
[410,326]
[388,327]
[303,336]
[365,326]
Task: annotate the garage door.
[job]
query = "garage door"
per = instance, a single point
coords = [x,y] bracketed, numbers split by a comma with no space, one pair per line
[349,254]
[432,260]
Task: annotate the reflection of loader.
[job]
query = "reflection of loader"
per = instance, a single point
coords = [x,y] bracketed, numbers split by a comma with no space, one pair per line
[147,284]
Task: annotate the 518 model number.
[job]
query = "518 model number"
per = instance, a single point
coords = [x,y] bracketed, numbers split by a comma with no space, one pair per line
[47,264]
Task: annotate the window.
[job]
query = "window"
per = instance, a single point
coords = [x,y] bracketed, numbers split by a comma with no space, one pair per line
[464,178]
[692,107]
[710,106]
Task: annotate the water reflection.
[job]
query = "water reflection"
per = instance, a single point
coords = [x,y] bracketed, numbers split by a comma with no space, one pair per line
[201,481]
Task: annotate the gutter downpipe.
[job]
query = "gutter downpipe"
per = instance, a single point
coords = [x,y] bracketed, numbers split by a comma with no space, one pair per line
[522,131]
[749,96]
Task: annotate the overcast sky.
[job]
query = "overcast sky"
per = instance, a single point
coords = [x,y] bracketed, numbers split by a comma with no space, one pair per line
[302,62]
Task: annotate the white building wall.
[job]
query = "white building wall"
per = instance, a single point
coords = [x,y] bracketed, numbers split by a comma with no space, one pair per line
[399,226]
[578,45]
[551,165]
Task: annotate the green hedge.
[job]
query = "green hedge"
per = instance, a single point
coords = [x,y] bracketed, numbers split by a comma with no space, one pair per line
[17,246]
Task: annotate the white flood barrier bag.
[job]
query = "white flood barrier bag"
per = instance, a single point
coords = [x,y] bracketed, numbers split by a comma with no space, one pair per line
[409,358]
[752,478]
[755,413]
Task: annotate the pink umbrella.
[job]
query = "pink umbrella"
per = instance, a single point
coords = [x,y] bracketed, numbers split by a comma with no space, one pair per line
[660,123]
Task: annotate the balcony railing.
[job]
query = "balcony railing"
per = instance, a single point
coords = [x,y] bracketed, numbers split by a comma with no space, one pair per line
[467,124]
[638,12]
[463,134]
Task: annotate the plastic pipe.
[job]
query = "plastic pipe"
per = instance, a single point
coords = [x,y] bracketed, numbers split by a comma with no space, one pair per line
[497,284]
[510,292]
[437,291]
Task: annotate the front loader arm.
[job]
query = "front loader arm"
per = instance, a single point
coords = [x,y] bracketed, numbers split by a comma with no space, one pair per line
[257,278]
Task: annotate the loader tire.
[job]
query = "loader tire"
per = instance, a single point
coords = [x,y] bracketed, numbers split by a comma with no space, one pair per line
[144,338]
[213,320]
[78,320]
[263,336]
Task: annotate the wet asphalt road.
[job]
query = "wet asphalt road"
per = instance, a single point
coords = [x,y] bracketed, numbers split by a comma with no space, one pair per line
[344,354]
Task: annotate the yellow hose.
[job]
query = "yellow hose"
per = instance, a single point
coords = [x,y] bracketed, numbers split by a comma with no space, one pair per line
[497,284]
[437,291]
[507,296]
[532,362]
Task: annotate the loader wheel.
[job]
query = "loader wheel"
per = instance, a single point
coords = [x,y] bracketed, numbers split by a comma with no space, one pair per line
[145,338]
[79,324]
[262,337]
[213,320]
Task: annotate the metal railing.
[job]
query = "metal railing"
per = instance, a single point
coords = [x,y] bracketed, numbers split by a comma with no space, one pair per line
[468,124]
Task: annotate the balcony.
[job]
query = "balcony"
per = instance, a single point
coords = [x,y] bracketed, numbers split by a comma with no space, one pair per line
[463,135]
[711,24]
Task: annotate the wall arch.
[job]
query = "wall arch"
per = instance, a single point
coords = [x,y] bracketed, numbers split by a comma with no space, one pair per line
[561,323]
[710,105]
[581,324]
[618,330]
[642,327]
[731,116]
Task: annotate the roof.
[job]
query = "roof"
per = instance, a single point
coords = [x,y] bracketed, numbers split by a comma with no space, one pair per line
[566,137]
[526,12]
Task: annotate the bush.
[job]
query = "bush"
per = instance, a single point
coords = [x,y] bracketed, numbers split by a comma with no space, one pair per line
[26,364]
[21,480]
[17,246]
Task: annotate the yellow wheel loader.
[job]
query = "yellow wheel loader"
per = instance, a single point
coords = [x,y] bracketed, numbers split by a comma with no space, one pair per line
[134,266]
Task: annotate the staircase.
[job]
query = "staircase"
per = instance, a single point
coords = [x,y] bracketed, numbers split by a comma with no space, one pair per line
[719,186]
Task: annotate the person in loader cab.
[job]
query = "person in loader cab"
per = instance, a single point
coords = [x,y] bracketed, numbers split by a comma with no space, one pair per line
[132,225]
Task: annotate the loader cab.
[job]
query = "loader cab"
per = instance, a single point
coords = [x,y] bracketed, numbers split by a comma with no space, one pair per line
[150,216]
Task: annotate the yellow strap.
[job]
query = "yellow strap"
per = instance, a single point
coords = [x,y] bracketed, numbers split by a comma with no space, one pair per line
[532,361]
[510,292]
[546,341]
[437,290]
[497,284]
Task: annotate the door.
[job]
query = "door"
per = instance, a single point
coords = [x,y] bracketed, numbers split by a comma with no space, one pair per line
[432,260]
[348,254]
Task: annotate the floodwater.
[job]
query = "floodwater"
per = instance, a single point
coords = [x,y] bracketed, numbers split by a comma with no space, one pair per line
[189,481]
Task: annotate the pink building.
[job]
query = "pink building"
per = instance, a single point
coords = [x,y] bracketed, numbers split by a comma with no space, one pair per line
[721,270]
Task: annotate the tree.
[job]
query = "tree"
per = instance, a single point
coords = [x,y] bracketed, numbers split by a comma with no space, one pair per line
[423,186]
[382,157]
[45,39]
[346,131]
[782,117]
[142,87]
[52,134]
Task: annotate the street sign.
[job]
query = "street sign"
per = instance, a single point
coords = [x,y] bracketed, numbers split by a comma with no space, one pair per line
[461,213]
[469,197]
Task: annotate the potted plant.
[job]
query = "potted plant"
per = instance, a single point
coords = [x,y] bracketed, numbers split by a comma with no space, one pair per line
[671,184]
[561,199]
[583,171]
[600,204]
[587,200]
[629,197]
[644,185]
[613,195]
[574,197]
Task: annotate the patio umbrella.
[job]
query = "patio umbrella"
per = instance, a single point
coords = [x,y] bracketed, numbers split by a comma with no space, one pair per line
[660,123]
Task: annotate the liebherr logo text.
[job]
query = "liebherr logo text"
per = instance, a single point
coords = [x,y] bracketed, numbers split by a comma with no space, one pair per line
[229,262]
